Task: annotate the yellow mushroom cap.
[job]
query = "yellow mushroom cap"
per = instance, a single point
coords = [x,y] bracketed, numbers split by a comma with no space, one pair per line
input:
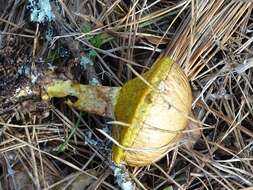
[156,114]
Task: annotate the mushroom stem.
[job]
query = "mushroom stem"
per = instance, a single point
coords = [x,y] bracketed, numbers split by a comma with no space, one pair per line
[99,100]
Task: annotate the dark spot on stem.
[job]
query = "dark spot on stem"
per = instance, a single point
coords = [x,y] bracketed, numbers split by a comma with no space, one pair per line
[73,99]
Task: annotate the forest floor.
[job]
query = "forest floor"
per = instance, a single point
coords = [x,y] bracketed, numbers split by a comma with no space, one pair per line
[48,145]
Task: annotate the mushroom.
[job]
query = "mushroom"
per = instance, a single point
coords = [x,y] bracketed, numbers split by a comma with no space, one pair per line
[151,110]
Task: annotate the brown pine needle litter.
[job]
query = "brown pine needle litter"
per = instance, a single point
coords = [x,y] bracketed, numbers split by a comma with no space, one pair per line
[48,145]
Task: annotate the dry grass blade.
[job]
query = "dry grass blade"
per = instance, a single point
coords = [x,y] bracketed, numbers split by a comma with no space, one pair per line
[207,30]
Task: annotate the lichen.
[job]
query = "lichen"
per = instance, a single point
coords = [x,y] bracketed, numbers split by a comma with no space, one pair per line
[34,77]
[41,11]
[85,61]
[89,140]
[122,178]
[94,82]
[50,34]
[22,92]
